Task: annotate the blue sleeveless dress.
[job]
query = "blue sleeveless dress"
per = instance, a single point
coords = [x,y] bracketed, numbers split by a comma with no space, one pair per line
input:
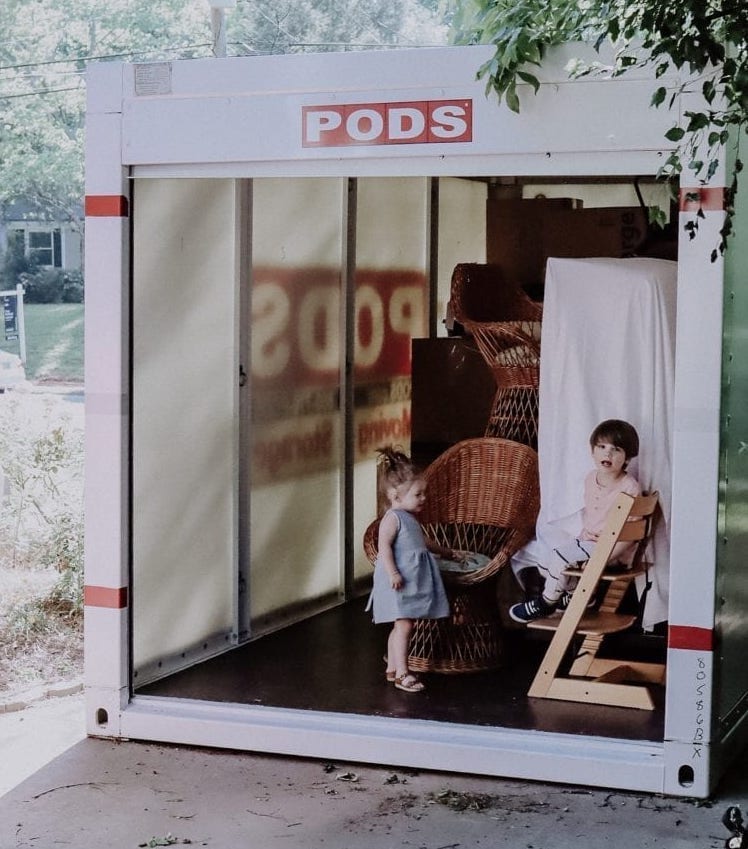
[422,595]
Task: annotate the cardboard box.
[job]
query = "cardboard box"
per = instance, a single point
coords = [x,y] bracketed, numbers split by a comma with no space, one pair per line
[513,227]
[522,234]
[609,231]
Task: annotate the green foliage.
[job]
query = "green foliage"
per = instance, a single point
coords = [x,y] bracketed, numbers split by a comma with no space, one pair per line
[15,263]
[42,466]
[706,38]
[28,621]
[53,286]
[521,32]
[62,604]
[42,285]
[41,532]
[47,45]
[62,549]
[41,541]
[283,26]
[45,48]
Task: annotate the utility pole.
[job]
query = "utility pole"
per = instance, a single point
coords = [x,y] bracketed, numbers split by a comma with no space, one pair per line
[218,24]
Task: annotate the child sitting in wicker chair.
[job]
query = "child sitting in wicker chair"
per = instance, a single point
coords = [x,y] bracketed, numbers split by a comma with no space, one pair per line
[407,582]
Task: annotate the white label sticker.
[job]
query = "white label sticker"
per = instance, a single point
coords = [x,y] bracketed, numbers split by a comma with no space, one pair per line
[153,78]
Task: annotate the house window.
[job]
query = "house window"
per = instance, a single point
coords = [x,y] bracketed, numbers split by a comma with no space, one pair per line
[45,247]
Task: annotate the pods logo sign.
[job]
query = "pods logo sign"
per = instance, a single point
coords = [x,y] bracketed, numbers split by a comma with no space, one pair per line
[295,325]
[412,122]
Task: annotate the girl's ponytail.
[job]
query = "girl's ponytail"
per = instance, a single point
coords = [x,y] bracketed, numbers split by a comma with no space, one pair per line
[395,467]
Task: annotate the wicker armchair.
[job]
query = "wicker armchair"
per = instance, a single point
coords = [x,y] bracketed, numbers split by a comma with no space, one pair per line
[483,496]
[505,324]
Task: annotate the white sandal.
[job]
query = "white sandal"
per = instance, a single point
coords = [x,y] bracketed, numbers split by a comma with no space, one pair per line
[409,683]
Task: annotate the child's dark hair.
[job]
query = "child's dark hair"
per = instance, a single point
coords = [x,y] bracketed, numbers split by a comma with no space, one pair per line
[618,433]
[395,468]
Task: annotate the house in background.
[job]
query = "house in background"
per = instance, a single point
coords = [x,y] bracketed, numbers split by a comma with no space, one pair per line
[47,241]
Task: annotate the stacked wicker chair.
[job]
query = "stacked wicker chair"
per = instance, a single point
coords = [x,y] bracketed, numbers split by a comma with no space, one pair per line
[505,324]
[482,496]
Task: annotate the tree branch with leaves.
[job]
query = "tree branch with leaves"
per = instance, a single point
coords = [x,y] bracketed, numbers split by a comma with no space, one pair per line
[706,38]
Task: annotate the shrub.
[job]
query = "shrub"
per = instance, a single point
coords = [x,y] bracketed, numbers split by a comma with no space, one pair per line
[62,549]
[72,287]
[52,286]
[44,500]
[41,543]
[15,263]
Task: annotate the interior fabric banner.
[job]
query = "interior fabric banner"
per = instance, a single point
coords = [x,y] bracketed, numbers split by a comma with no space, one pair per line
[607,352]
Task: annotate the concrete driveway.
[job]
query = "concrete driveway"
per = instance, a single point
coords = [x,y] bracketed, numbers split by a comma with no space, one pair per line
[34,735]
[66,790]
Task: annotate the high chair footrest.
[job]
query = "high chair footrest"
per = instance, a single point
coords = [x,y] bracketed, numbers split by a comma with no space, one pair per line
[591,624]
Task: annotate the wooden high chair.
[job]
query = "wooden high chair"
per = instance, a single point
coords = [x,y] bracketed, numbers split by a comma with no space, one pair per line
[592,679]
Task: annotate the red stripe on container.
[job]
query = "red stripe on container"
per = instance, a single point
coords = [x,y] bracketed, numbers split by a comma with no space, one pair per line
[688,637]
[711,199]
[106,206]
[112,597]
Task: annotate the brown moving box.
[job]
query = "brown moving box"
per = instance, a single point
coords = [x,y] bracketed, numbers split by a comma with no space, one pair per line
[522,234]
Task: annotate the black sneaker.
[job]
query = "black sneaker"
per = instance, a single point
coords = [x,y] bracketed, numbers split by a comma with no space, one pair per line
[534,608]
[563,602]
[565,599]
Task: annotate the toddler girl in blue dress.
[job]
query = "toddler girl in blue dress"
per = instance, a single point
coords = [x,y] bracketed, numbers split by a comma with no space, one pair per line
[407,582]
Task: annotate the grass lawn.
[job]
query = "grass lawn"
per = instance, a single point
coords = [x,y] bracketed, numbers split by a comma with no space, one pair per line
[54,342]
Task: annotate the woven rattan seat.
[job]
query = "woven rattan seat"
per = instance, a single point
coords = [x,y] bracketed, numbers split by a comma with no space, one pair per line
[505,324]
[482,495]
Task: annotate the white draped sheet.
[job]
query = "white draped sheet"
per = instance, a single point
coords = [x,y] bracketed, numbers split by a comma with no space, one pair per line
[607,352]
